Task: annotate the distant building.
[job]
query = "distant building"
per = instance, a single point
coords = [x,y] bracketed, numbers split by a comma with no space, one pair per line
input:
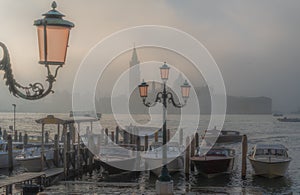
[134,74]
[249,105]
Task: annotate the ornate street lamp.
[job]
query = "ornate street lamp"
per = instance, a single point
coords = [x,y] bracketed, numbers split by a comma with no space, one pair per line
[164,97]
[53,36]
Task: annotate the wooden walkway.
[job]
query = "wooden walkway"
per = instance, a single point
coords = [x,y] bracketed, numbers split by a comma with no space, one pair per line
[53,171]
[23,177]
[20,178]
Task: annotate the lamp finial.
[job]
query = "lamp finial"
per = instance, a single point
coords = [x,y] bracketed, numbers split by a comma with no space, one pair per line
[54,5]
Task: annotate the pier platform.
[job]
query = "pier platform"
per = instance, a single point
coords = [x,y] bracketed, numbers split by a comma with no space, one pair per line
[20,178]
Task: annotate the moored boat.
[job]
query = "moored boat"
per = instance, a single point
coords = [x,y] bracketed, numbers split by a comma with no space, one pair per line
[31,158]
[153,157]
[17,149]
[269,160]
[115,159]
[277,114]
[218,160]
[285,119]
[222,136]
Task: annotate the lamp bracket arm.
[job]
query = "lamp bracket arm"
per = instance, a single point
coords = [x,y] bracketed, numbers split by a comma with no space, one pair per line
[171,100]
[157,99]
[33,91]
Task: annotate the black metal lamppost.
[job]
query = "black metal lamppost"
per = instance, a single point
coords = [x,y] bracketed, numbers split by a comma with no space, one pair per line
[164,97]
[53,36]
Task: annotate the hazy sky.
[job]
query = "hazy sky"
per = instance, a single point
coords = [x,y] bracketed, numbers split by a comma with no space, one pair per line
[255,43]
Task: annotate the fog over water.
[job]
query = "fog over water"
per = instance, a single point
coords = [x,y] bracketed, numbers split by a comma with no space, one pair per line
[255,43]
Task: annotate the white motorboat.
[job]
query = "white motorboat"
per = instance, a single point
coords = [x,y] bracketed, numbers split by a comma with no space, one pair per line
[154,161]
[116,159]
[269,160]
[31,159]
[17,149]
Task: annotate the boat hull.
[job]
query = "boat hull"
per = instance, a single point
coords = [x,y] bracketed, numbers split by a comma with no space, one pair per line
[32,164]
[211,166]
[4,159]
[113,167]
[174,165]
[269,169]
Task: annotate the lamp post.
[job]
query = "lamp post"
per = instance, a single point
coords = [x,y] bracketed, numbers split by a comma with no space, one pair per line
[14,105]
[164,97]
[53,37]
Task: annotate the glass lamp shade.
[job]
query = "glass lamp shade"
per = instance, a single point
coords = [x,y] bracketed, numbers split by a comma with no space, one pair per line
[53,44]
[143,88]
[53,36]
[185,90]
[164,72]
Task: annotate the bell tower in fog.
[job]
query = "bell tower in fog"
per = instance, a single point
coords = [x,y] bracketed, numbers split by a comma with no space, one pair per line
[134,74]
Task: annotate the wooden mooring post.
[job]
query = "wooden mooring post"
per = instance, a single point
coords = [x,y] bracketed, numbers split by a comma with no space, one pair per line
[65,150]
[43,148]
[10,154]
[244,155]
[106,136]
[25,139]
[192,151]
[180,137]
[68,152]
[5,134]
[56,150]
[20,137]
[16,135]
[79,160]
[187,157]
[156,136]
[197,140]
[47,137]
[146,143]
[113,136]
[117,134]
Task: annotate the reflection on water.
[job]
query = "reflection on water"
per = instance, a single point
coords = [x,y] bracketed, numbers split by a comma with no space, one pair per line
[259,129]
[275,185]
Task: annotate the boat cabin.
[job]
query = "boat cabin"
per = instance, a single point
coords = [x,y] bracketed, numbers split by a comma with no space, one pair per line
[277,150]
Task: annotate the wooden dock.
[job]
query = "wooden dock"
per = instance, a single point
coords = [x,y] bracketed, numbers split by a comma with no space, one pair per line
[53,172]
[20,178]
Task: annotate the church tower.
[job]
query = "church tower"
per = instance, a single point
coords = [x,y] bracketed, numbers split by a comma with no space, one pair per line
[134,74]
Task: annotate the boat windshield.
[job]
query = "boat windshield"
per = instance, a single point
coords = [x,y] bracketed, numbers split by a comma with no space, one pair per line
[275,152]
[214,152]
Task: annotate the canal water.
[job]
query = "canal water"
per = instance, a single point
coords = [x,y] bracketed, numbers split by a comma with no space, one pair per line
[258,128]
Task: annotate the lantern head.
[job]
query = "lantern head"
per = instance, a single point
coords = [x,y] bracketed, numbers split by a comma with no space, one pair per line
[164,72]
[185,90]
[143,88]
[53,36]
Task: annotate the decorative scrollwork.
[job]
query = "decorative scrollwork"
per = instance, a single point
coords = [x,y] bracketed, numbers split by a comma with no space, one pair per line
[32,91]
[171,100]
[160,96]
